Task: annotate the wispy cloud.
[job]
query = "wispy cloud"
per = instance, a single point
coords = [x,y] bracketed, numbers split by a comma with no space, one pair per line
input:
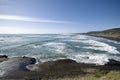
[29,19]
[29,30]
[16,30]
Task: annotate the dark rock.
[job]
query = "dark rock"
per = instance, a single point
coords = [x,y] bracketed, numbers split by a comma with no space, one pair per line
[113,62]
[3,56]
[26,69]
[64,61]
[58,68]
[50,65]
[16,66]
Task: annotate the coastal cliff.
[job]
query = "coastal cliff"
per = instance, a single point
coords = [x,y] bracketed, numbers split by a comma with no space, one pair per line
[113,34]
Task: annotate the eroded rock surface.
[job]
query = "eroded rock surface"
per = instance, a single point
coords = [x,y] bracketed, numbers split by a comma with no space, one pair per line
[15,66]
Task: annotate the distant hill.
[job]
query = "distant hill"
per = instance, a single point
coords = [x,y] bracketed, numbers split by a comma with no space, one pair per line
[113,34]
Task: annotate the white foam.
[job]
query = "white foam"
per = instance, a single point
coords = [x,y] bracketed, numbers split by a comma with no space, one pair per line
[9,46]
[44,58]
[11,39]
[2,73]
[113,41]
[63,36]
[101,46]
[100,59]
[1,39]
[77,46]
[79,37]
[36,46]
[3,68]
[58,47]
[97,45]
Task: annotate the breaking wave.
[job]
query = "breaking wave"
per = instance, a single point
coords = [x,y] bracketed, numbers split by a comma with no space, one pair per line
[80,48]
[97,45]
[100,59]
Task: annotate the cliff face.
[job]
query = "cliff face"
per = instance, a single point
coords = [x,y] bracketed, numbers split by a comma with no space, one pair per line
[111,34]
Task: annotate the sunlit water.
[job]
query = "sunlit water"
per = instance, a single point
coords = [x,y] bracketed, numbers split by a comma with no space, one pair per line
[44,47]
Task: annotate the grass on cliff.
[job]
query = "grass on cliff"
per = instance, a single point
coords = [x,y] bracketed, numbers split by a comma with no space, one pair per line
[113,75]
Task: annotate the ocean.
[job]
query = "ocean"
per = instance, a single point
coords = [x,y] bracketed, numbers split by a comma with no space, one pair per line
[45,47]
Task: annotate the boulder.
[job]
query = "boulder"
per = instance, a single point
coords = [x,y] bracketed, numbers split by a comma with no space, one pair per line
[3,58]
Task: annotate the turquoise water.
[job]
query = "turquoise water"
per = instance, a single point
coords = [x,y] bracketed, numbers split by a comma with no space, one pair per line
[46,47]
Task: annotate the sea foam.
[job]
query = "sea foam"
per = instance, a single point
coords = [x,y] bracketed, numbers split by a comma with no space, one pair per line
[58,47]
[101,46]
[97,45]
[98,59]
[81,48]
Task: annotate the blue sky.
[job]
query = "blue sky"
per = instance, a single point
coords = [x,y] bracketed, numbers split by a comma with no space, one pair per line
[58,16]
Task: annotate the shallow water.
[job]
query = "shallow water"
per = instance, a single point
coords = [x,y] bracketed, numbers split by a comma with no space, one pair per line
[46,47]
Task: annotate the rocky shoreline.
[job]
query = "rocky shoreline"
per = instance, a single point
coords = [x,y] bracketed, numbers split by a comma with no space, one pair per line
[111,38]
[113,34]
[24,68]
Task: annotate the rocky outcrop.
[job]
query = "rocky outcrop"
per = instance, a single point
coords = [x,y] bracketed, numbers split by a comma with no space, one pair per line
[68,64]
[16,66]
[24,68]
[113,62]
[70,67]
[58,65]
[3,58]
[55,69]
